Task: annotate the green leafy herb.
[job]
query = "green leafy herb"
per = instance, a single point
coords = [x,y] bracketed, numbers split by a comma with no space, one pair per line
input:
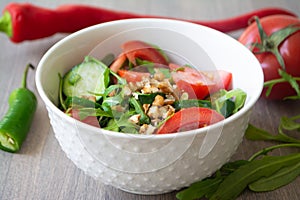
[200,189]
[238,180]
[144,119]
[80,102]
[191,103]
[207,187]
[254,133]
[122,124]
[265,174]
[228,102]
[147,98]
[282,177]
[85,112]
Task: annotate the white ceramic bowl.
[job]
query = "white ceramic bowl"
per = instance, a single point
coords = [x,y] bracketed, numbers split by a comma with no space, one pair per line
[158,163]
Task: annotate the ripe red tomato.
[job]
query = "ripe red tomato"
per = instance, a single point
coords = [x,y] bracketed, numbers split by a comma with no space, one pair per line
[133,76]
[200,84]
[138,49]
[189,119]
[289,50]
[91,120]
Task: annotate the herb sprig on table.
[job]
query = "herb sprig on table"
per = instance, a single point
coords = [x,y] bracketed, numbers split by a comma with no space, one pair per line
[260,173]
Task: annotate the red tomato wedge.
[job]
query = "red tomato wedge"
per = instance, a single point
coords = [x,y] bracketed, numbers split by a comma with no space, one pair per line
[221,78]
[91,120]
[138,49]
[200,84]
[118,63]
[133,76]
[189,119]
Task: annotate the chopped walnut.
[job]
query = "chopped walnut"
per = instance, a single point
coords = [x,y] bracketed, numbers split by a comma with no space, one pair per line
[135,118]
[169,100]
[165,86]
[147,129]
[153,112]
[170,111]
[158,100]
[146,107]
[159,75]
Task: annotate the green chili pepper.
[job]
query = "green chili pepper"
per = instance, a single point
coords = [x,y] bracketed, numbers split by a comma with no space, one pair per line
[16,123]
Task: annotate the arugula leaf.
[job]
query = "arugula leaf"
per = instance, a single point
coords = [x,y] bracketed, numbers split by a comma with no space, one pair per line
[282,177]
[207,187]
[85,112]
[191,103]
[200,189]
[122,124]
[254,133]
[289,123]
[166,72]
[80,102]
[144,119]
[220,101]
[238,180]
[147,98]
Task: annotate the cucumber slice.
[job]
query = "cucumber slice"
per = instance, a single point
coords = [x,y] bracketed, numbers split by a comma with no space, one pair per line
[91,77]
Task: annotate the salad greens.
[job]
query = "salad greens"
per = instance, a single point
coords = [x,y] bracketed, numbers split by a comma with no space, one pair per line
[137,95]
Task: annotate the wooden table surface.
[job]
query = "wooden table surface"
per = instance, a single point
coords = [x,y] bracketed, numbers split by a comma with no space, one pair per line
[41,171]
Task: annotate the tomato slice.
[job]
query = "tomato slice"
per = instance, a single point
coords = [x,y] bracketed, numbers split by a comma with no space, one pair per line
[200,84]
[91,120]
[133,76]
[189,119]
[118,63]
[138,49]
[191,81]
[221,78]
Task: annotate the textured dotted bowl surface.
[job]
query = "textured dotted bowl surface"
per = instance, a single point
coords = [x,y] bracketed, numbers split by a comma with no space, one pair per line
[157,163]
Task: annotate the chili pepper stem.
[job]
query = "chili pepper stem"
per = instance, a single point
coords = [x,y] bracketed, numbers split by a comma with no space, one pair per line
[24,79]
[5,24]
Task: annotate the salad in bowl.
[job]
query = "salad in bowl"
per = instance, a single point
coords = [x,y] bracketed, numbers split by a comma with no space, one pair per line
[141,91]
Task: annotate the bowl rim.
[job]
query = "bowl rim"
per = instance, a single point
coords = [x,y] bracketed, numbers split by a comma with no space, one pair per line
[249,103]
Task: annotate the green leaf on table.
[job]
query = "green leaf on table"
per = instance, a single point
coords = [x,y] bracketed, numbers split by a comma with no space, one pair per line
[290,123]
[207,187]
[280,178]
[254,133]
[200,189]
[238,180]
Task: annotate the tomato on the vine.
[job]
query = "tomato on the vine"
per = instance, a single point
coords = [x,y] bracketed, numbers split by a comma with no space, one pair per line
[277,34]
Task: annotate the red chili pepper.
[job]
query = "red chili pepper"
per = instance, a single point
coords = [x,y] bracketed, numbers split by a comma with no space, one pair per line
[24,21]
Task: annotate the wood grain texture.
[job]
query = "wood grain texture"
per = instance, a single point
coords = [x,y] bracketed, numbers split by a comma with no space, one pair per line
[41,171]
